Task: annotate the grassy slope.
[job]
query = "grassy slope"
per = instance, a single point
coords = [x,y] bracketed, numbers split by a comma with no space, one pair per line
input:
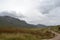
[25,34]
[55,28]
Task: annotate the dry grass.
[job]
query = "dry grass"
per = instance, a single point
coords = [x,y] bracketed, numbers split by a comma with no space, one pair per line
[25,34]
[56,29]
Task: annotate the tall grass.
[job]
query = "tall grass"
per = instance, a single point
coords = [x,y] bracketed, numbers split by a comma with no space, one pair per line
[25,34]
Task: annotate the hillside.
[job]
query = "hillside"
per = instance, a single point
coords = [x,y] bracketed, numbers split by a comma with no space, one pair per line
[7,21]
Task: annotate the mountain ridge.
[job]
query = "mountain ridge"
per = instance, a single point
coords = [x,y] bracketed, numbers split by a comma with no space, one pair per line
[11,21]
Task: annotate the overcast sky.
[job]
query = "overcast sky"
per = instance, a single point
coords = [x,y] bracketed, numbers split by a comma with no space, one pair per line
[36,11]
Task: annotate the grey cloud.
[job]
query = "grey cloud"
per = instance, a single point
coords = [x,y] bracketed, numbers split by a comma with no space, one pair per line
[52,9]
[12,14]
[48,5]
[53,18]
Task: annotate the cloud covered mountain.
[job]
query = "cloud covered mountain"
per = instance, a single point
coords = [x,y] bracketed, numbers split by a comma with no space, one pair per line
[36,11]
[12,14]
[7,21]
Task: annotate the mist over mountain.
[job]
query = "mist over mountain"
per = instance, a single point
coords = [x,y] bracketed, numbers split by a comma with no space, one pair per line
[12,14]
[8,21]
[37,11]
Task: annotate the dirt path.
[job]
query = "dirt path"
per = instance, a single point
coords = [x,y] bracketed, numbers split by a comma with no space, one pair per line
[57,36]
[55,32]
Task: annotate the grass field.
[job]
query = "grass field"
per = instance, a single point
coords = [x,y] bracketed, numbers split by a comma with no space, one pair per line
[55,28]
[25,34]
